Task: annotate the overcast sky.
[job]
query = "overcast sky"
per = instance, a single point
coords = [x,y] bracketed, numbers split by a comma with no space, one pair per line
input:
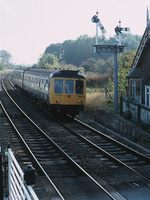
[27,27]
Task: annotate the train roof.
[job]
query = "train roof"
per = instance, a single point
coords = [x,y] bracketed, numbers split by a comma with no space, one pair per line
[20,70]
[39,72]
[50,72]
[67,74]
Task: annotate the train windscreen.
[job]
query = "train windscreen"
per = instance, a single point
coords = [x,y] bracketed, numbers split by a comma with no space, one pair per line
[79,87]
[58,86]
[69,86]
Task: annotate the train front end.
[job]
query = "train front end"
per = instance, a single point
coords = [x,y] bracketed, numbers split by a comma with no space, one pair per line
[67,92]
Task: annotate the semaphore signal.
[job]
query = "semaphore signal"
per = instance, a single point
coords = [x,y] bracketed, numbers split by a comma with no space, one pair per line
[119,30]
[96,20]
[116,48]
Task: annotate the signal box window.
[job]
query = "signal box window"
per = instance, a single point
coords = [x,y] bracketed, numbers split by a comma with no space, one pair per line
[58,86]
[69,86]
[147,96]
[79,87]
[133,88]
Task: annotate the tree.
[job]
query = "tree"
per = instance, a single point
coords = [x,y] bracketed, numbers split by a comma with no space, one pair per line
[77,51]
[55,49]
[131,41]
[48,61]
[125,61]
[97,66]
[5,58]
[89,65]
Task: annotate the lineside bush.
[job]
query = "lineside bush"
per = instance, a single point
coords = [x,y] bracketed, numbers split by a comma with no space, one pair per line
[97,80]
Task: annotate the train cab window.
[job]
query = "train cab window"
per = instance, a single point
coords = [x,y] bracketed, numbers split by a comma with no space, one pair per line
[69,86]
[58,86]
[79,87]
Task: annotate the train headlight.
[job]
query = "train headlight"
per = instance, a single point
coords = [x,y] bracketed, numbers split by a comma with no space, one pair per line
[80,101]
[58,100]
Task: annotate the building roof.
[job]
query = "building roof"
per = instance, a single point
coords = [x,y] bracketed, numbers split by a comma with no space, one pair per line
[135,73]
[144,41]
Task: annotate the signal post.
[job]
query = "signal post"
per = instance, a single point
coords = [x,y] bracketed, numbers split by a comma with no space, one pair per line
[116,48]
[112,49]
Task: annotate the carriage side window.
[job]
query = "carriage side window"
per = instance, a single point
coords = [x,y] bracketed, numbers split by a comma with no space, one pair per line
[58,86]
[69,86]
[79,87]
[46,85]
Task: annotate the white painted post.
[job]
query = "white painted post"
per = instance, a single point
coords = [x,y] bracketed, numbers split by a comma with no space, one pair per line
[17,187]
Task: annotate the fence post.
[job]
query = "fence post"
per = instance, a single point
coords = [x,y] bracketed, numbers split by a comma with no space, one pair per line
[1,177]
[9,170]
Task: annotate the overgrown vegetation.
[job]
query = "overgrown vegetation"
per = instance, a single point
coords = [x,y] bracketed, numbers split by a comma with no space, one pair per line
[97,80]
[98,98]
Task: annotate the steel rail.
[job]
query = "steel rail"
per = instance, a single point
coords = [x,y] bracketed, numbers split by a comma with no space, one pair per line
[114,141]
[76,164]
[108,154]
[26,145]
[29,150]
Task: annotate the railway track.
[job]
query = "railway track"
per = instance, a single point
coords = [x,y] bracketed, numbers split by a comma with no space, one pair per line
[30,138]
[110,147]
[115,151]
[49,157]
[87,146]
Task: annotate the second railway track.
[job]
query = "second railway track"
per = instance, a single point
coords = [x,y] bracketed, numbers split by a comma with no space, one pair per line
[93,163]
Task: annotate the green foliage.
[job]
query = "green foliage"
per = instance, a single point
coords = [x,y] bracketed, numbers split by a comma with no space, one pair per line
[48,61]
[131,41]
[5,60]
[79,51]
[56,50]
[51,61]
[1,67]
[125,61]
[79,54]
[124,67]
[89,65]
[63,65]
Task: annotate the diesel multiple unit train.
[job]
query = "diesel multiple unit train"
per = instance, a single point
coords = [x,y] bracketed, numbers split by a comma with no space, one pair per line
[63,91]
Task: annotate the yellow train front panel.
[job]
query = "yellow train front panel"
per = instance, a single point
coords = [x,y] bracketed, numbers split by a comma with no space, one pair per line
[67,91]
